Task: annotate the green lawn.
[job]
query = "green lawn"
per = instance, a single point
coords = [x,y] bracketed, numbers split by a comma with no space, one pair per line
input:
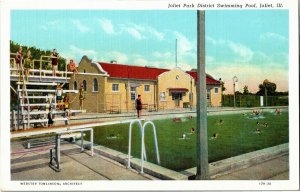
[236,135]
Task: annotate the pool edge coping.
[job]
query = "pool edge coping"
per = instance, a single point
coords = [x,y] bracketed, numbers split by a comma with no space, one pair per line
[216,169]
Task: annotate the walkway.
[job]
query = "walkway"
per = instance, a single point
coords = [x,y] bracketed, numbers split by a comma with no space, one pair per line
[275,169]
[75,165]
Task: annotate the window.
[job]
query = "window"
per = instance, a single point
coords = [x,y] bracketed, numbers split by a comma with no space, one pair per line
[208,94]
[216,90]
[132,96]
[84,85]
[132,93]
[95,85]
[147,88]
[115,87]
[133,89]
[75,85]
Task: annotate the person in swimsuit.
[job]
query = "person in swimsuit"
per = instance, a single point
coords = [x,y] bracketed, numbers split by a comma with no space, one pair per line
[72,67]
[27,64]
[138,106]
[81,96]
[54,57]
[18,59]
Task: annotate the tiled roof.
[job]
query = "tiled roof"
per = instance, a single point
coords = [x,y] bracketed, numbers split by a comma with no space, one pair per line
[209,79]
[143,73]
[132,72]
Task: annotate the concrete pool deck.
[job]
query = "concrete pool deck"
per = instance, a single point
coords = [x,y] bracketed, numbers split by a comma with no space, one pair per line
[75,165]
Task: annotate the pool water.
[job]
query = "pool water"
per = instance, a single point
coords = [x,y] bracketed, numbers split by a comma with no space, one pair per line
[228,136]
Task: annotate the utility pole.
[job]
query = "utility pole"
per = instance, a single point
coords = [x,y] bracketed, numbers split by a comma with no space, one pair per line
[201,146]
[235,80]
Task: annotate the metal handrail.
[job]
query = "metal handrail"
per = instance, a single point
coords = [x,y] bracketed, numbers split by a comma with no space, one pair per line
[155,143]
[143,148]
[139,122]
[43,58]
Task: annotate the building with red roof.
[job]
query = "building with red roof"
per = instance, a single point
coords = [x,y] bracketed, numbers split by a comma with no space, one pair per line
[113,87]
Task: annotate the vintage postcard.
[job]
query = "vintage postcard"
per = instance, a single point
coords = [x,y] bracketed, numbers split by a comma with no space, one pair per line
[149,95]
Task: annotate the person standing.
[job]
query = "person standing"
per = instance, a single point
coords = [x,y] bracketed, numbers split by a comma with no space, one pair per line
[18,59]
[54,57]
[50,117]
[138,105]
[27,64]
[59,93]
[81,96]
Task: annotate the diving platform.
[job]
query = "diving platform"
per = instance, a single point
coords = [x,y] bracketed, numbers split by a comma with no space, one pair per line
[42,76]
[48,91]
[37,91]
[57,129]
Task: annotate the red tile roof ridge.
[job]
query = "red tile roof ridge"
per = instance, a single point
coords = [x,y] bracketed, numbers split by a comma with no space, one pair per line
[142,72]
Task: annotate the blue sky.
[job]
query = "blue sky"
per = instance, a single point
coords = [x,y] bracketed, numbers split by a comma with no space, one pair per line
[251,44]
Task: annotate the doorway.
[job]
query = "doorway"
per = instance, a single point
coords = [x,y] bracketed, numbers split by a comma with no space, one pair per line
[177,97]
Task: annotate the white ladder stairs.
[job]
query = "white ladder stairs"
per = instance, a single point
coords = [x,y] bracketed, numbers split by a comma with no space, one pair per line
[36,97]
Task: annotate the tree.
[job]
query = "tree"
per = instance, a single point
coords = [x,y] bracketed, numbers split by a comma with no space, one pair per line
[267,87]
[246,91]
[36,55]
[222,83]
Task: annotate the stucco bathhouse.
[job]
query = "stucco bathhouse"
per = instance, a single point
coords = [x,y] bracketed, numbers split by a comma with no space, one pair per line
[112,87]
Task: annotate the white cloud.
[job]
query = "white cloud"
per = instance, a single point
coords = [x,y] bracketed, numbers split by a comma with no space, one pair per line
[155,33]
[249,75]
[78,51]
[140,62]
[107,26]
[241,50]
[275,36]
[209,59]
[82,28]
[183,44]
[50,25]
[185,66]
[134,33]
[54,22]
[164,55]
[244,53]
[214,41]
[118,56]
[43,27]
[142,31]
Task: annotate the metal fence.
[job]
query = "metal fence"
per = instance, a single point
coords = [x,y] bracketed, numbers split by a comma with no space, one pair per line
[253,101]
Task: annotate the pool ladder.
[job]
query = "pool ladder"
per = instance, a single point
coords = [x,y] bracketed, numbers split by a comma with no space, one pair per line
[142,136]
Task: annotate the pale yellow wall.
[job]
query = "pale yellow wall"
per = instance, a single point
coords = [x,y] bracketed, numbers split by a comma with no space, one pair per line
[215,98]
[168,80]
[94,100]
[115,98]
[122,97]
[146,96]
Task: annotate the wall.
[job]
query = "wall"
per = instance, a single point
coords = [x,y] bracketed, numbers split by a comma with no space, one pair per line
[94,100]
[121,99]
[215,98]
[175,78]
